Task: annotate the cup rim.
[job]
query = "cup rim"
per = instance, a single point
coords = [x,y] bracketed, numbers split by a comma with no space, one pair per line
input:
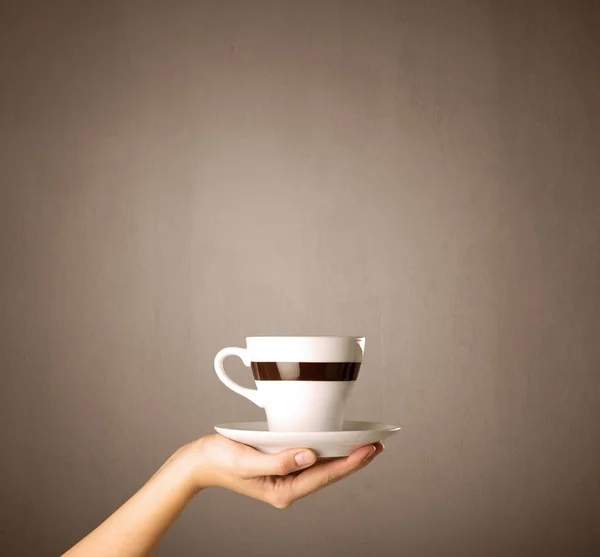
[316,337]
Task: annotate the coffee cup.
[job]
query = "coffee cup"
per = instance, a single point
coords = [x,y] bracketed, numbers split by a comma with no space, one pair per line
[303,383]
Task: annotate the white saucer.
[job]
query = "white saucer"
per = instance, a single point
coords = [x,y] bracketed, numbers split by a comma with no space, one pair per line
[324,443]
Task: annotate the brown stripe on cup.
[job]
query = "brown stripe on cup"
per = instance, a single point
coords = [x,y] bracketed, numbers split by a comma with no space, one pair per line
[305,371]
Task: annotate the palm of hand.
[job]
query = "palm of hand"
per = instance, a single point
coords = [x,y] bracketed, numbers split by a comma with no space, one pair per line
[275,479]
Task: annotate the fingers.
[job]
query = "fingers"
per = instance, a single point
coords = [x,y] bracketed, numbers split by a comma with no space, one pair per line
[380,448]
[282,464]
[326,473]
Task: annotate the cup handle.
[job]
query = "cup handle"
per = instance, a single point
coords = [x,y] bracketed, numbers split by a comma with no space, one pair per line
[251,394]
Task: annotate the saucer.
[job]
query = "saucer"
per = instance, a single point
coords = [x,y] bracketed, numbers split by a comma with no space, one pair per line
[324,443]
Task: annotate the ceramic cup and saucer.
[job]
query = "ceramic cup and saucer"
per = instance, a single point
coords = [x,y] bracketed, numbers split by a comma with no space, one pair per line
[303,383]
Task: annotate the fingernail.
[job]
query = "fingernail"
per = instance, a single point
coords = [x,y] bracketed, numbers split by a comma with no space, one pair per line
[370,454]
[304,459]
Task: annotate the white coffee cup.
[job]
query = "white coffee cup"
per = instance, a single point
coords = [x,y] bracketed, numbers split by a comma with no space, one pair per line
[303,383]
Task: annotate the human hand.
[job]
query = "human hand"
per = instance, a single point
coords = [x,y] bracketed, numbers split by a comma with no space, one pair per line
[279,479]
[138,525]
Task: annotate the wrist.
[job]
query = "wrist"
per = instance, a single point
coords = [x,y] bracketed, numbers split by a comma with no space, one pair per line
[185,466]
[193,465]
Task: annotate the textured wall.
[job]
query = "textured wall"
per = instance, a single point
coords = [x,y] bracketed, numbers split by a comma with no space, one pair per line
[178,175]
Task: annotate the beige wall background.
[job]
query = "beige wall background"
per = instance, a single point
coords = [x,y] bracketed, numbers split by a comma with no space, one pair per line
[178,175]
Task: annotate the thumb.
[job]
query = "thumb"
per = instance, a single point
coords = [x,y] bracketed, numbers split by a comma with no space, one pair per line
[283,463]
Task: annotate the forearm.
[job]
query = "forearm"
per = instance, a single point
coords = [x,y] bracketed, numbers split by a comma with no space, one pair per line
[136,528]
